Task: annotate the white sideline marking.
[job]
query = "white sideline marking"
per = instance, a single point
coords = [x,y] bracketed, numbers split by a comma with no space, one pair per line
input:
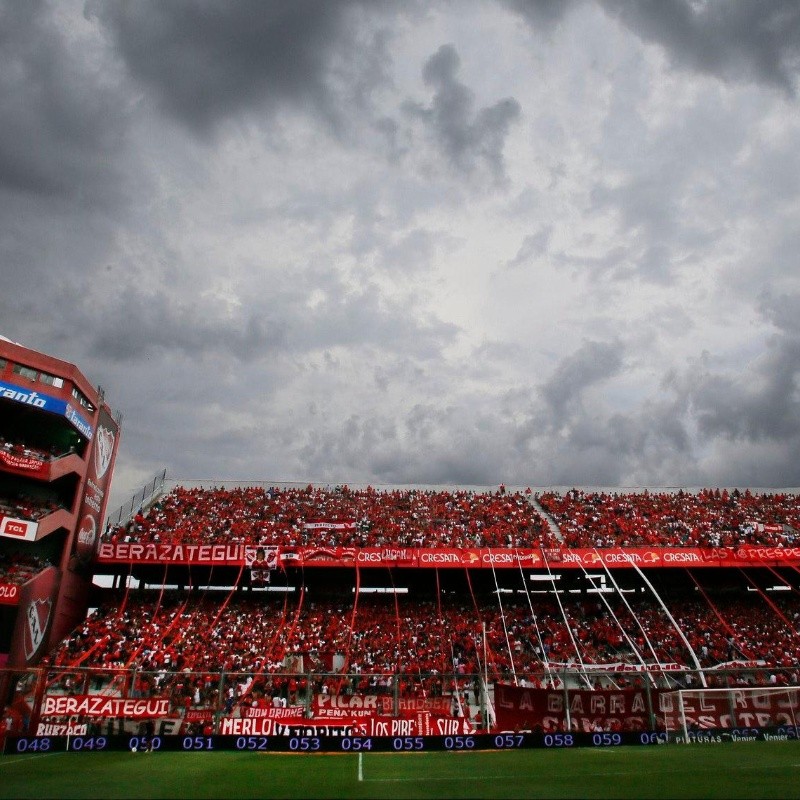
[30,758]
[451,779]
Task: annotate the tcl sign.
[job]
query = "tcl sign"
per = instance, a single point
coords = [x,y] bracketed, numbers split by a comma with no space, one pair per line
[18,528]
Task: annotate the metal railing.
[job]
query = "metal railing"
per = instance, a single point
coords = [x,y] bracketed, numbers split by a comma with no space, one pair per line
[140,499]
[191,701]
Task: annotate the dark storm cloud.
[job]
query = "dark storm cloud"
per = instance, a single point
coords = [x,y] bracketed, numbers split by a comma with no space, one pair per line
[782,311]
[428,443]
[591,363]
[751,39]
[64,165]
[60,125]
[761,403]
[206,60]
[469,140]
[542,15]
[730,39]
[137,325]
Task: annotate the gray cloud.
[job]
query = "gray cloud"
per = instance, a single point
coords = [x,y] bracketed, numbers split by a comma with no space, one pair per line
[468,139]
[747,39]
[591,363]
[137,325]
[206,61]
[533,246]
[542,15]
[760,403]
[61,126]
[781,311]
[755,40]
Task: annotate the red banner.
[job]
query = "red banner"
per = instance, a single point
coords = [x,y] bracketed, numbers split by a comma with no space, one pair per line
[95,705]
[272,712]
[30,465]
[421,724]
[342,706]
[734,708]
[439,706]
[444,557]
[9,594]
[199,715]
[126,552]
[295,725]
[61,729]
[519,709]
[361,706]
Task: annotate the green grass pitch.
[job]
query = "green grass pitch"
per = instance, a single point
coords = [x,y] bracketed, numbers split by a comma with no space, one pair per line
[741,770]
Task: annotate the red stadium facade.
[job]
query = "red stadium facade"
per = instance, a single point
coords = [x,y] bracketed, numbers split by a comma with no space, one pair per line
[58,444]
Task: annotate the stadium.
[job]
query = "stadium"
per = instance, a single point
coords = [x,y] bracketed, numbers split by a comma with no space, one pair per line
[386,624]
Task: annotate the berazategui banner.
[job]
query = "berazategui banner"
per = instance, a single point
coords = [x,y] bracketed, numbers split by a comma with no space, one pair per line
[451,557]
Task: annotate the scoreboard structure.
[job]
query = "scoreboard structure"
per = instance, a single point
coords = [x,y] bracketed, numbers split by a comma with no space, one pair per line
[58,445]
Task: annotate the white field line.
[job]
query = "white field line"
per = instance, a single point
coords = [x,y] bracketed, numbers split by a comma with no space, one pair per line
[25,759]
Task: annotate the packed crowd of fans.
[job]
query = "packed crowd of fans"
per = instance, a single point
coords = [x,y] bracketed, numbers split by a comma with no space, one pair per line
[710,518]
[179,644]
[340,517]
[22,505]
[19,568]
[19,447]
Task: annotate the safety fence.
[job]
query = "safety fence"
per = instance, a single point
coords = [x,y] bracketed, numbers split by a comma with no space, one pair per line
[89,701]
[152,489]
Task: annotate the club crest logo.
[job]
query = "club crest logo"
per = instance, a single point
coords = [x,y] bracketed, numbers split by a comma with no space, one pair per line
[37,616]
[103,449]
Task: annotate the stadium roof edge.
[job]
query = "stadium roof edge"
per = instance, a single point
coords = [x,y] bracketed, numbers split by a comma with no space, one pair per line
[201,483]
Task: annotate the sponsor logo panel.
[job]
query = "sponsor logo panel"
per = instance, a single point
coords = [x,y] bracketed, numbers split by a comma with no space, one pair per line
[451,557]
[9,594]
[18,528]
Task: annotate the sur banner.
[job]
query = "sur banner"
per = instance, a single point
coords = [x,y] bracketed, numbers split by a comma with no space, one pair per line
[420,724]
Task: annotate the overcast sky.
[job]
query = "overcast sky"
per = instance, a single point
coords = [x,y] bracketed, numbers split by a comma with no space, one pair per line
[539,243]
